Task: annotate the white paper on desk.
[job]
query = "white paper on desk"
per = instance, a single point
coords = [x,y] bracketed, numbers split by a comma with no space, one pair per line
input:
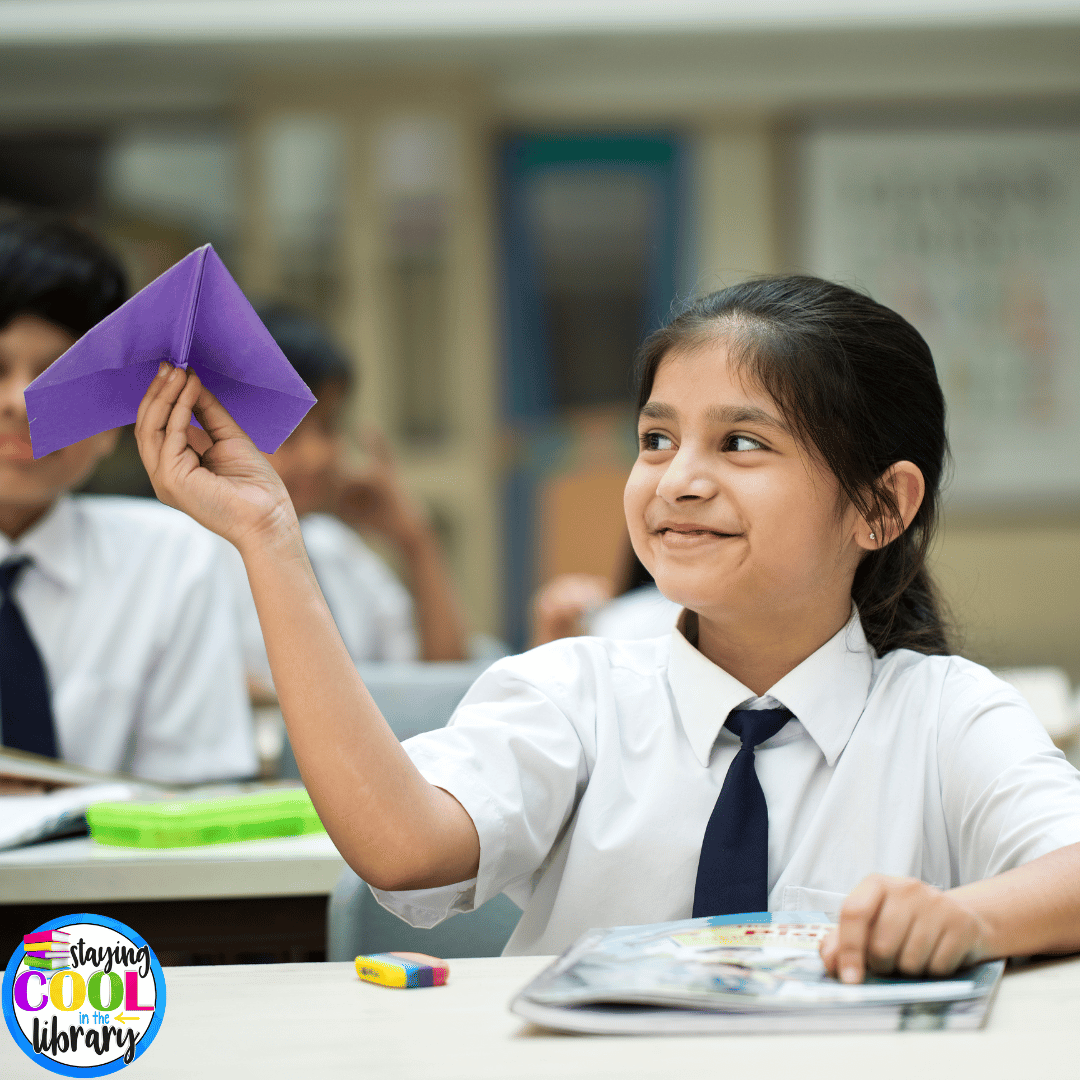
[27,818]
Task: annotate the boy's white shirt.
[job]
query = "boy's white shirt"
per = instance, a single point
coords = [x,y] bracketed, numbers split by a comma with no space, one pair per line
[372,609]
[643,612]
[128,603]
[590,768]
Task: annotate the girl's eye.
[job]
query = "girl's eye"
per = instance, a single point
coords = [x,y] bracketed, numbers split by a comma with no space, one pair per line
[653,440]
[743,443]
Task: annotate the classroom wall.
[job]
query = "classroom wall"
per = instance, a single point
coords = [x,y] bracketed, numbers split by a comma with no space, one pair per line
[1011,580]
[455,472]
[1014,590]
[733,97]
[736,231]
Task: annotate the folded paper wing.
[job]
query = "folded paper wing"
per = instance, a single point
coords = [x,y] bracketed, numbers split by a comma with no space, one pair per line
[194,316]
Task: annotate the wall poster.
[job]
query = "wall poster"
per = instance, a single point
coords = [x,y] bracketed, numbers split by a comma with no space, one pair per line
[974,236]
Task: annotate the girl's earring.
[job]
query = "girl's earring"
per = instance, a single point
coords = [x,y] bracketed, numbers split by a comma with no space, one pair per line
[872,536]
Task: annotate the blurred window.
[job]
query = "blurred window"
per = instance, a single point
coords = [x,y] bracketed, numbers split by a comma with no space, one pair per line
[179,179]
[593,233]
[592,255]
[416,159]
[302,161]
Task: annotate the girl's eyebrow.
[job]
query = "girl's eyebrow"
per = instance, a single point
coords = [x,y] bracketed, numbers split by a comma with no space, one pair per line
[742,414]
[657,410]
[719,415]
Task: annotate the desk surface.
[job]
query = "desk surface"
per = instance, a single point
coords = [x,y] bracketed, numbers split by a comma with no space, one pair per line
[78,870]
[290,1020]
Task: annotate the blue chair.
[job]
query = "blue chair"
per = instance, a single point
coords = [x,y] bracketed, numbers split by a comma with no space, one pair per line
[357,925]
[413,697]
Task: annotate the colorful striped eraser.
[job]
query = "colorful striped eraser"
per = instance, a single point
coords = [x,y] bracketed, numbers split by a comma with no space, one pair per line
[402,969]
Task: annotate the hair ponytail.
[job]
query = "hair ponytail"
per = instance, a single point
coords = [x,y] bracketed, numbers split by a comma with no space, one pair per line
[857,383]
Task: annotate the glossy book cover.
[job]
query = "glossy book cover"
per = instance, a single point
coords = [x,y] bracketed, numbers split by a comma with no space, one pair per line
[748,972]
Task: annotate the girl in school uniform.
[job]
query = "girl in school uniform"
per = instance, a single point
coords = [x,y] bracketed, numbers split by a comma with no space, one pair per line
[802,740]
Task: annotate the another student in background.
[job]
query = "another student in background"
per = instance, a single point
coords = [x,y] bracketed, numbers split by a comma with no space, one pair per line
[572,604]
[374,612]
[116,652]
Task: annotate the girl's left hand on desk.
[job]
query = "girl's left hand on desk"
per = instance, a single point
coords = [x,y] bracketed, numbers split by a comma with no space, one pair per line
[894,924]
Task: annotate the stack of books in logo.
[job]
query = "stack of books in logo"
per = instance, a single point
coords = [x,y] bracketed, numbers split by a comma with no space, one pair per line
[47,950]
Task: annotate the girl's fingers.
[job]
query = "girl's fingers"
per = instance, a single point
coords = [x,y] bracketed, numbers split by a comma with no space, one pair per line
[902,913]
[174,447]
[857,918]
[198,440]
[180,416]
[151,392]
[214,417]
[828,949]
[153,415]
[949,952]
[922,939]
[903,924]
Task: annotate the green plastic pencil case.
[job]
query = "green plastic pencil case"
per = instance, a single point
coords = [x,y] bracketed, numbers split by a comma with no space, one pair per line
[179,823]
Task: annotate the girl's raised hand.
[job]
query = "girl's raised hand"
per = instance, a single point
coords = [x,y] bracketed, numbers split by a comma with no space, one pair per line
[217,476]
[894,924]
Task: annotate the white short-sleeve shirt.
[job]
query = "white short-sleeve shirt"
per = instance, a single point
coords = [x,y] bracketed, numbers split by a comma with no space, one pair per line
[129,605]
[372,609]
[590,768]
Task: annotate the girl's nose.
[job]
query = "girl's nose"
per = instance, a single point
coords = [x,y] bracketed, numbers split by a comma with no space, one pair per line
[686,477]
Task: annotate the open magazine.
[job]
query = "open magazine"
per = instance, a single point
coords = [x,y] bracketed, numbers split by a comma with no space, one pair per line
[755,972]
[42,798]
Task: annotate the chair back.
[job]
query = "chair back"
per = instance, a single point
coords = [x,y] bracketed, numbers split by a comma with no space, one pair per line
[357,925]
[414,697]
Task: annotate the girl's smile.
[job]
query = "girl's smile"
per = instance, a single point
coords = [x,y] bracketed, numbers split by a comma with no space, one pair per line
[679,536]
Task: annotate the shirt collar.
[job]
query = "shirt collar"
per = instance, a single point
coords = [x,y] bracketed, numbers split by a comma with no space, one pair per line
[827,691]
[52,543]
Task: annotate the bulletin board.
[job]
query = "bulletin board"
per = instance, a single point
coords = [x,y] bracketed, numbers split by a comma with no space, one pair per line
[974,236]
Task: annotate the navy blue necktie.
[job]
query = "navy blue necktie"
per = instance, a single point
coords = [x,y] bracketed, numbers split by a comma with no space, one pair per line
[733,871]
[25,712]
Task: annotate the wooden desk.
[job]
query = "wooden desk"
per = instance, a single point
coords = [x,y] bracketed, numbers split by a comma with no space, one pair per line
[291,1020]
[255,900]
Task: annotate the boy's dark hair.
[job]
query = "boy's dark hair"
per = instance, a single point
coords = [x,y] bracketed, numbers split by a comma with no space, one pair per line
[856,382]
[307,345]
[58,272]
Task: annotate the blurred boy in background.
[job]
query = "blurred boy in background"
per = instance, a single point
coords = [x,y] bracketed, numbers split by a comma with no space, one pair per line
[377,617]
[572,604]
[117,652]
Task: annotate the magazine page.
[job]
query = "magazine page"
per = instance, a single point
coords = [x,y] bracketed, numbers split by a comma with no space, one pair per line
[23,772]
[764,962]
[28,818]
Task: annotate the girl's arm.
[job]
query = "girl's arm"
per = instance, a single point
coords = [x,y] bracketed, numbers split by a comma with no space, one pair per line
[902,924]
[393,828]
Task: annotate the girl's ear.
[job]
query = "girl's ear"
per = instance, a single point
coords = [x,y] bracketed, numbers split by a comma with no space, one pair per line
[904,482]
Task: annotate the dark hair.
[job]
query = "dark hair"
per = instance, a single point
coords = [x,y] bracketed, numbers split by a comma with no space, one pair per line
[857,384]
[632,573]
[307,346]
[58,272]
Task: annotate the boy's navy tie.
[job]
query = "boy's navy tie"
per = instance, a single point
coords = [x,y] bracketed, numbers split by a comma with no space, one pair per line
[733,871]
[25,712]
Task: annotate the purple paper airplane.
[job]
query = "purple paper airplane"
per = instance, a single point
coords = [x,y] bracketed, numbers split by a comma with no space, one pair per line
[194,316]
